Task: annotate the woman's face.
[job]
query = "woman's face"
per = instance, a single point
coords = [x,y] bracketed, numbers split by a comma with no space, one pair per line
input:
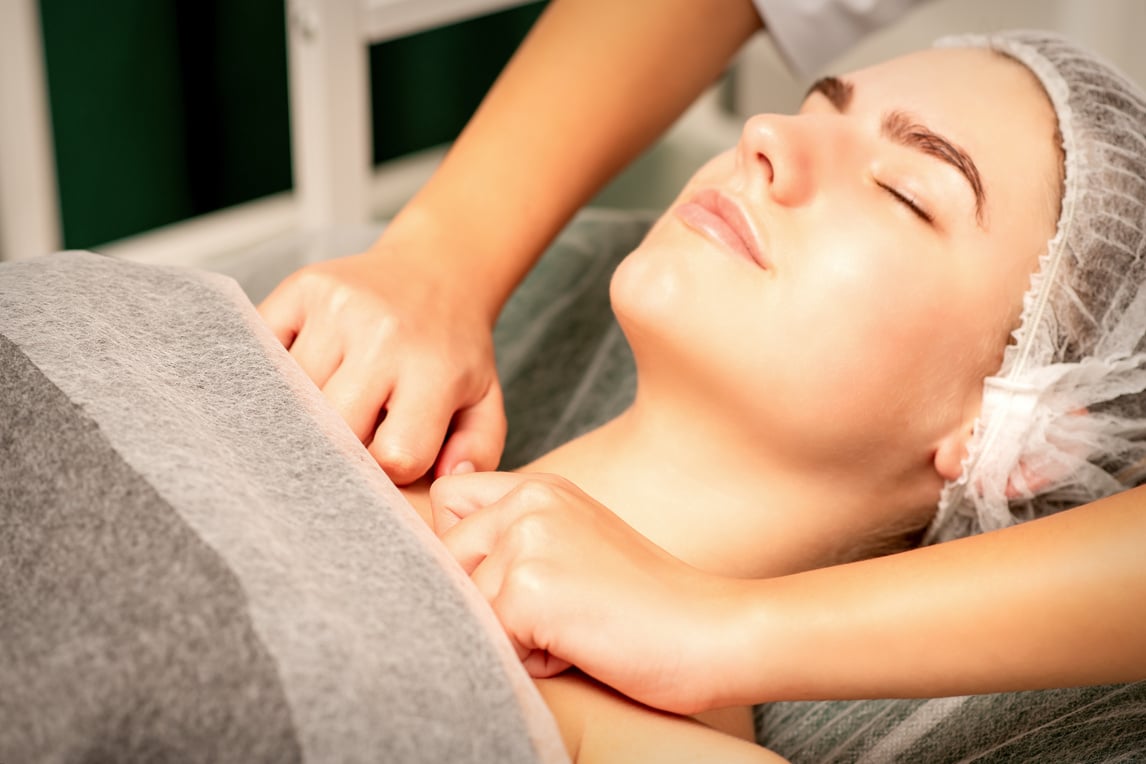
[844,278]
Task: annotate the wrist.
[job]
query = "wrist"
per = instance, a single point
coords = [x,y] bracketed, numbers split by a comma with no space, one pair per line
[748,626]
[443,253]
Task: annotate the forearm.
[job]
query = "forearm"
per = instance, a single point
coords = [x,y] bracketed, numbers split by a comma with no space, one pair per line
[593,84]
[1055,602]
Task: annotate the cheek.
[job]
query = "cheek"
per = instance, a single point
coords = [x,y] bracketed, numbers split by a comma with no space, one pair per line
[873,291]
[865,349]
[885,334]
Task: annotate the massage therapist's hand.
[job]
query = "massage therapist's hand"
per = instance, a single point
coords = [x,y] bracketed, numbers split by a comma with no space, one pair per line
[573,584]
[402,351]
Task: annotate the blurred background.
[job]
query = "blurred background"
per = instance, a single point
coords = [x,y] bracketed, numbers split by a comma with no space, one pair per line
[190,131]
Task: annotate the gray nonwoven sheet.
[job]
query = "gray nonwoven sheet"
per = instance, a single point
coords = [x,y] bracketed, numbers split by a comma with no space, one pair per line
[198,560]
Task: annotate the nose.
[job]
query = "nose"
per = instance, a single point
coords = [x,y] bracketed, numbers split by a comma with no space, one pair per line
[775,151]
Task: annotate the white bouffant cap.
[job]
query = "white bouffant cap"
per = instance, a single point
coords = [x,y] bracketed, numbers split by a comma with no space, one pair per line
[1063,421]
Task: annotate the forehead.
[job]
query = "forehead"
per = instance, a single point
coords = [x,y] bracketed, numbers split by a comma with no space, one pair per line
[988,104]
[951,73]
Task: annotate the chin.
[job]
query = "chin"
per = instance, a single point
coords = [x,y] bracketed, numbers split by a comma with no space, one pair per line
[662,328]
[653,299]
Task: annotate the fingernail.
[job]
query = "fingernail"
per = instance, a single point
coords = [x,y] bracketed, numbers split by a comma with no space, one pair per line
[463,467]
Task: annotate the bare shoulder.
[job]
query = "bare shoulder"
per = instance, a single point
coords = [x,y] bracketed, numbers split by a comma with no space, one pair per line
[601,726]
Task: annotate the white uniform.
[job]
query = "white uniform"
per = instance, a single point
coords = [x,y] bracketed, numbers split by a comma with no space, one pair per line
[809,33]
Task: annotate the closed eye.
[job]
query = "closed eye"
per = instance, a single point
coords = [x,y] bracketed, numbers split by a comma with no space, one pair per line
[907,201]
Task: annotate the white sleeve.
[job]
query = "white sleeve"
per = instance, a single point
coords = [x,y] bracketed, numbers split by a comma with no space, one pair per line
[810,33]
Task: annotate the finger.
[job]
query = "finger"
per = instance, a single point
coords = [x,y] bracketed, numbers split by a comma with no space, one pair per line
[282,311]
[517,615]
[487,577]
[478,437]
[481,534]
[471,542]
[358,394]
[316,354]
[456,497]
[410,436]
[541,664]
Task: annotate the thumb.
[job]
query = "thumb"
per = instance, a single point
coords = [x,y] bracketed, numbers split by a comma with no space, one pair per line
[456,497]
[541,664]
[478,436]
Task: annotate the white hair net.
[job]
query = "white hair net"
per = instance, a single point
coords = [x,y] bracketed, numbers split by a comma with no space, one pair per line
[1063,421]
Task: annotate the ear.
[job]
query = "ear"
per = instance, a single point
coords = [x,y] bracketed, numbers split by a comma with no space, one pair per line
[1038,478]
[1036,482]
[952,450]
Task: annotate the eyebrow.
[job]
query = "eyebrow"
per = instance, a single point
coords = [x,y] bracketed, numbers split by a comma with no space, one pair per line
[902,128]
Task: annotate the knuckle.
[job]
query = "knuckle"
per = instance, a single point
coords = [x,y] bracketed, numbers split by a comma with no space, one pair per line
[375,333]
[536,492]
[526,533]
[457,377]
[460,382]
[399,463]
[314,280]
[526,581]
[383,325]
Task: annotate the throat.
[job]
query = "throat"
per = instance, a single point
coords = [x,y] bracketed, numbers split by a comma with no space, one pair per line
[698,502]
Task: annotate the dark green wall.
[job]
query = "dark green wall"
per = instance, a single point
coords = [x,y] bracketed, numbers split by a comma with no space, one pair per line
[167,109]
[425,87]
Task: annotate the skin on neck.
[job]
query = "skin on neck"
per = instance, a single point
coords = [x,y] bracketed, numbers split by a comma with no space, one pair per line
[695,488]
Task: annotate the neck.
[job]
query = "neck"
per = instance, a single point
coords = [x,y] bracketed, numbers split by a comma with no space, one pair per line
[715,503]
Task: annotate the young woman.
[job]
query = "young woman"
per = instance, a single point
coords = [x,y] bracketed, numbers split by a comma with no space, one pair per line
[813,321]
[1060,424]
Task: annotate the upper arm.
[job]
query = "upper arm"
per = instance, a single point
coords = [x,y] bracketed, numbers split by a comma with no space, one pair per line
[601,726]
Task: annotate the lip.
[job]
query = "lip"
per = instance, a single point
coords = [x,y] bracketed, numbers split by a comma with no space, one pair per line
[715,216]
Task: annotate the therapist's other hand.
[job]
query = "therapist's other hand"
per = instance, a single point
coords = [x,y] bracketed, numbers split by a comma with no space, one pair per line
[572,583]
[401,353]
